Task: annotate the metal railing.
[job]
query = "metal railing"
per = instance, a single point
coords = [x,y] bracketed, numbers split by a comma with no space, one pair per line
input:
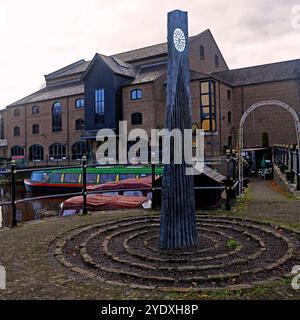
[230,186]
[287,157]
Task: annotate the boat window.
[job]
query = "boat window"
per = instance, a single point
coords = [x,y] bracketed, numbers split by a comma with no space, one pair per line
[143,175]
[55,177]
[71,177]
[125,176]
[136,193]
[36,177]
[91,178]
[107,178]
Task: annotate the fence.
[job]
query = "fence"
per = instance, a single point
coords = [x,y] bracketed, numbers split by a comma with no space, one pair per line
[230,186]
[288,160]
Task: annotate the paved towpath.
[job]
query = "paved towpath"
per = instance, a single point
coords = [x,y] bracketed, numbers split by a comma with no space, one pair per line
[266,202]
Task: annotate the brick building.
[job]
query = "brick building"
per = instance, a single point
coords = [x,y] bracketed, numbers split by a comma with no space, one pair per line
[60,121]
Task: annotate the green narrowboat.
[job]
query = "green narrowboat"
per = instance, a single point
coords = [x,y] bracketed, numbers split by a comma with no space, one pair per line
[70,180]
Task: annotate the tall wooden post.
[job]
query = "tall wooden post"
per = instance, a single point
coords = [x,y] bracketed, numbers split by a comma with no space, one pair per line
[178,223]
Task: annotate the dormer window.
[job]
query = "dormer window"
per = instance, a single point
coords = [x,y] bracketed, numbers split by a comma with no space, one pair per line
[136,94]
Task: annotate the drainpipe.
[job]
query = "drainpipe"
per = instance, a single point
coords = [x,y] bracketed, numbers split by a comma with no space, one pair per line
[68,130]
[25,126]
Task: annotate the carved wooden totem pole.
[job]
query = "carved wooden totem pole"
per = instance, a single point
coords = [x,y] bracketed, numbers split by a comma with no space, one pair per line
[178,227]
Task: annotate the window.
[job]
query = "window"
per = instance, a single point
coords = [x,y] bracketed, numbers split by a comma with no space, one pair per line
[35,110]
[136,94]
[35,129]
[107,177]
[229,94]
[229,116]
[56,117]
[124,176]
[216,60]
[136,118]
[202,53]
[79,103]
[99,106]
[17,131]
[79,124]
[37,177]
[230,141]
[91,178]
[71,177]
[54,178]
[36,153]
[208,106]
[16,112]
[78,150]
[17,151]
[57,151]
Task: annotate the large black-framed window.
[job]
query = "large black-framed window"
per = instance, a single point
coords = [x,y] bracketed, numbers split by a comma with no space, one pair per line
[78,150]
[17,131]
[99,106]
[36,153]
[17,151]
[79,124]
[136,118]
[208,106]
[136,94]
[35,129]
[56,117]
[57,151]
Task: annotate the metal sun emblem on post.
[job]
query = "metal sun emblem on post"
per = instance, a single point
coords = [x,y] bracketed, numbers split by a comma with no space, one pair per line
[179,40]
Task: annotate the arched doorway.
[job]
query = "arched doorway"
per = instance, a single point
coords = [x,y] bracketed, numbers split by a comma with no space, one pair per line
[268,103]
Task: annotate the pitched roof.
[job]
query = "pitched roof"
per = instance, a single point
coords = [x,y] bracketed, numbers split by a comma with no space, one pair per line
[278,71]
[149,74]
[118,66]
[146,52]
[74,68]
[51,93]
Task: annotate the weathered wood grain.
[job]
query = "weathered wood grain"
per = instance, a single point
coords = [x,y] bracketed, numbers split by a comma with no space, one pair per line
[178,223]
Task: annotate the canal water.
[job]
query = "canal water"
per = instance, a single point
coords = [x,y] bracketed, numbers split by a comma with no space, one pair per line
[31,210]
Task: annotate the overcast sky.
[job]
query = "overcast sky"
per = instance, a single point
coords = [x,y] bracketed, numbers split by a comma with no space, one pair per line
[40,36]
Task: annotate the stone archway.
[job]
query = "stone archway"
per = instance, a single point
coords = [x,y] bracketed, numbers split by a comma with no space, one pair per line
[268,103]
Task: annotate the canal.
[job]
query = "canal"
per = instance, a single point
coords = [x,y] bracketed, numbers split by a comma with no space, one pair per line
[31,210]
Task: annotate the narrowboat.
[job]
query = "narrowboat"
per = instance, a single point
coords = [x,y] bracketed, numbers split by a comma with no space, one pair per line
[70,180]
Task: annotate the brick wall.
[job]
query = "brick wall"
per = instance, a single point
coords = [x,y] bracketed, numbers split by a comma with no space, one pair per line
[272,119]
[68,136]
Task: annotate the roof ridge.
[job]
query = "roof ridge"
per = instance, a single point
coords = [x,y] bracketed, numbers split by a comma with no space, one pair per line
[68,67]
[256,66]
[154,45]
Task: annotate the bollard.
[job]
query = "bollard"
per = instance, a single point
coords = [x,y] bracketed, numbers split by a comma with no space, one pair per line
[228,183]
[84,193]
[298,168]
[13,194]
[153,186]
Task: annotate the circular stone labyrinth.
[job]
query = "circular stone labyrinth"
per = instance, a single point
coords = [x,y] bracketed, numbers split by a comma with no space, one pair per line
[232,253]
